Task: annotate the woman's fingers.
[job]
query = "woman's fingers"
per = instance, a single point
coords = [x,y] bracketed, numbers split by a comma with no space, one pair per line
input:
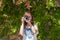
[22,19]
[26,20]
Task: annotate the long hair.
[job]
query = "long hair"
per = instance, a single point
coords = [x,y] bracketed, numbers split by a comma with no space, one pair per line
[32,20]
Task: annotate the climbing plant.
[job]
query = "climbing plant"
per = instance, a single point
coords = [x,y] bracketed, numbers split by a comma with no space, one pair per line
[46,15]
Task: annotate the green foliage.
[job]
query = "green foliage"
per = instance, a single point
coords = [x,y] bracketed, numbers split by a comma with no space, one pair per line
[46,16]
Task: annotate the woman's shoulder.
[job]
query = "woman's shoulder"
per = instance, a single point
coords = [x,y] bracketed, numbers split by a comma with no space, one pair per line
[35,24]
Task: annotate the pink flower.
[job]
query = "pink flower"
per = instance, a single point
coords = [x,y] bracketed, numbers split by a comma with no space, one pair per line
[17,3]
[26,4]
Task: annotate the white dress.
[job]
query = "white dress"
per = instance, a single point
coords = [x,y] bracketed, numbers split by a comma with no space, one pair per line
[28,34]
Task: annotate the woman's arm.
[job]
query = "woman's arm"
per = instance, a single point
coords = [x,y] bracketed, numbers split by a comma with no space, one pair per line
[21,30]
[22,27]
[33,28]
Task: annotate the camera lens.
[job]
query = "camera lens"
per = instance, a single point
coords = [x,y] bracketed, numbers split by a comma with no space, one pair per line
[27,17]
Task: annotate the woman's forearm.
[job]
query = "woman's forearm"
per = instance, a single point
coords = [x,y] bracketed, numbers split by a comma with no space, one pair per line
[22,29]
[32,28]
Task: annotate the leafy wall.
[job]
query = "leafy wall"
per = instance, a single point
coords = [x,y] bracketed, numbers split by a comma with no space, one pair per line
[46,13]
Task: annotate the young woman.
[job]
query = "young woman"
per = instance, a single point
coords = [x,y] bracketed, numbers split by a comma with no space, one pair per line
[28,29]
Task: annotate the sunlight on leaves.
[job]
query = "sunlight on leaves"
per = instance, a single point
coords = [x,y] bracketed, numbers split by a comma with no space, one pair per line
[59,22]
[5,15]
[13,30]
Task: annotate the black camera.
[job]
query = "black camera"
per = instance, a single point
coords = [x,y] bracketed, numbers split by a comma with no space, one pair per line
[27,17]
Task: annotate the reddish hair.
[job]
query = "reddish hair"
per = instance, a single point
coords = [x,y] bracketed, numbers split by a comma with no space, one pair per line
[32,22]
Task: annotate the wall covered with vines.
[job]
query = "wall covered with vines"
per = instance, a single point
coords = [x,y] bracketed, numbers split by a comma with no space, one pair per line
[46,13]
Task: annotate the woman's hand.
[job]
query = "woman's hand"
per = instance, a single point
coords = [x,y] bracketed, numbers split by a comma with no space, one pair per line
[28,22]
[22,19]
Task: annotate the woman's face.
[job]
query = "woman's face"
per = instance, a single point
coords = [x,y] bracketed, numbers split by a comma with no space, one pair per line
[29,16]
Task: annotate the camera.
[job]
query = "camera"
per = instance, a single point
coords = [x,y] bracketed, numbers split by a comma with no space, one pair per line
[27,17]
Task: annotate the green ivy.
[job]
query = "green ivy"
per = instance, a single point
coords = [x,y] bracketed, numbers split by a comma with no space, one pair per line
[45,15]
